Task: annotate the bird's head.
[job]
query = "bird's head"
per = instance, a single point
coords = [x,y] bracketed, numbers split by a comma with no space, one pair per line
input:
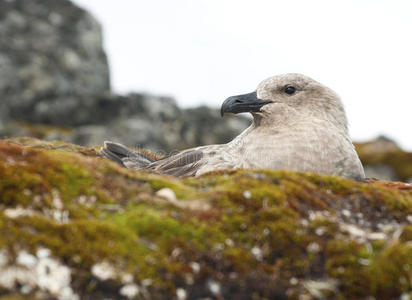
[286,97]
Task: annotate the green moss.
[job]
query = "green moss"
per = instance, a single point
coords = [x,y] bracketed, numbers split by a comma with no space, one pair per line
[82,242]
[157,182]
[394,268]
[406,233]
[159,227]
[260,232]
[17,297]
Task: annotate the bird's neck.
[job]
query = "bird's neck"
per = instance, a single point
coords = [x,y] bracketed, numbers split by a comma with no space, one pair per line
[291,120]
[283,117]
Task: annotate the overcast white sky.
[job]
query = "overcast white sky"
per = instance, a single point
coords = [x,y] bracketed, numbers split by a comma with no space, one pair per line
[202,51]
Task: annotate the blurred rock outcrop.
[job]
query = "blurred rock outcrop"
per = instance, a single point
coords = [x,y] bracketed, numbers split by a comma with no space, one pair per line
[55,85]
[137,120]
[384,159]
[50,55]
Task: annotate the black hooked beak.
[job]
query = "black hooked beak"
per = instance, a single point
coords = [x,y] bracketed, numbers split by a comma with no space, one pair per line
[242,103]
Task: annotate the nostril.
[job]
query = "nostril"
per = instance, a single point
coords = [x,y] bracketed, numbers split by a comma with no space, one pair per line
[238,101]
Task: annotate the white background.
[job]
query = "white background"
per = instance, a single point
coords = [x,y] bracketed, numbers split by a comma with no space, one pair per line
[202,51]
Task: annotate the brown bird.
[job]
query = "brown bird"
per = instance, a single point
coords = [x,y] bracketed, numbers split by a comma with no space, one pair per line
[298,124]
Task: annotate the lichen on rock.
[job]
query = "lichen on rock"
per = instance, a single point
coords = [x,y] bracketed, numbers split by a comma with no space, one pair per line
[109,232]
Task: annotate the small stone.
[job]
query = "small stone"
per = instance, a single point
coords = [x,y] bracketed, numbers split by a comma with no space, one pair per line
[354,230]
[25,289]
[364,261]
[313,247]
[176,252]
[218,247]
[317,288]
[147,282]
[405,296]
[320,230]
[257,253]
[181,294]
[377,236]
[167,194]
[243,226]
[265,203]
[3,258]
[127,278]
[189,279]
[229,242]
[26,259]
[214,287]
[82,199]
[195,267]
[27,192]
[103,270]
[247,194]
[57,201]
[129,290]
[17,212]
[43,253]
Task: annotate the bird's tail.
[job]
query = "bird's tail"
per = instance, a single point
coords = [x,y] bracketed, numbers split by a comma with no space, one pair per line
[122,155]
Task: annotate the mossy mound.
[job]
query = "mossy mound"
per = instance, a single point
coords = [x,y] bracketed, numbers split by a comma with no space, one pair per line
[384,159]
[73,225]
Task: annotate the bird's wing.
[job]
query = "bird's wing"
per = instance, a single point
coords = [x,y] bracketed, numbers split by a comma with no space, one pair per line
[124,156]
[182,164]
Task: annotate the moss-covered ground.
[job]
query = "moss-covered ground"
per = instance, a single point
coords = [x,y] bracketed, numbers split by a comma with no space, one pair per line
[227,235]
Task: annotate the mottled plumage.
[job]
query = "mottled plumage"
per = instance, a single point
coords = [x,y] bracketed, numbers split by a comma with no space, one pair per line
[298,124]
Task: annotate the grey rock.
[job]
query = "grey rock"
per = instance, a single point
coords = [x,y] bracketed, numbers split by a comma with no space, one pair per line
[55,85]
[50,53]
[163,132]
[381,171]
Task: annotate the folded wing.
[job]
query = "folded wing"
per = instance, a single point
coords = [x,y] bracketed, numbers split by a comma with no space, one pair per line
[127,158]
[182,164]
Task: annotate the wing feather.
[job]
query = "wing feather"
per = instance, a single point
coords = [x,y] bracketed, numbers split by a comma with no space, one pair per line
[182,164]
[124,156]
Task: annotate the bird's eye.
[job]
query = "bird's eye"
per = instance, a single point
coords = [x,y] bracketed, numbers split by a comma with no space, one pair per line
[290,90]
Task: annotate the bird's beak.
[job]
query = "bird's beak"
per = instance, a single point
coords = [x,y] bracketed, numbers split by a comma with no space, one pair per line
[242,103]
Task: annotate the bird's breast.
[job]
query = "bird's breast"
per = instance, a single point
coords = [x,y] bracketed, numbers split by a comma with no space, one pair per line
[306,148]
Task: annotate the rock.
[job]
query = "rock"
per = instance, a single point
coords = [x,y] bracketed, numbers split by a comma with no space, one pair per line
[384,159]
[381,144]
[161,128]
[380,171]
[137,120]
[55,85]
[295,235]
[167,194]
[51,58]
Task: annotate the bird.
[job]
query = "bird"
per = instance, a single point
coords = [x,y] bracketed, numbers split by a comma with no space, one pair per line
[298,124]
